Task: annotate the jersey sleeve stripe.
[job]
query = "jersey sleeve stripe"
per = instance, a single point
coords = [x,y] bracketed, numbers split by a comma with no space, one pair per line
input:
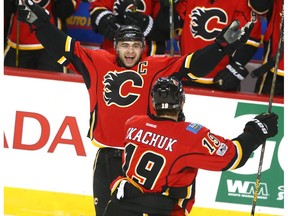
[68,44]
[188,60]
[189,192]
[200,80]
[92,123]
[239,155]
[253,43]
[62,60]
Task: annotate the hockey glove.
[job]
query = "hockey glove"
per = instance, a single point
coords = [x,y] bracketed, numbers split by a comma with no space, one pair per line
[32,13]
[229,78]
[232,38]
[143,21]
[263,126]
[105,22]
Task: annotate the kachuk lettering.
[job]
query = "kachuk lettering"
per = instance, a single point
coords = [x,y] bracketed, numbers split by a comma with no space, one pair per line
[152,139]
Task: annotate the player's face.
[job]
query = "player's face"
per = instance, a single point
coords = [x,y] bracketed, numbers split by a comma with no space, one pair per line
[129,52]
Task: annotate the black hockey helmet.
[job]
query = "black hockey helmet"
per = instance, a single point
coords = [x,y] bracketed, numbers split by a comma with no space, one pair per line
[168,94]
[129,33]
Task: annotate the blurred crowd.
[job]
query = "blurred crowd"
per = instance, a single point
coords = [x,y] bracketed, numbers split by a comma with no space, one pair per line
[181,25]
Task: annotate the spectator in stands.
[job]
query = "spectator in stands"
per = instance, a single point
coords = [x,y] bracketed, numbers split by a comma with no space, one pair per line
[203,20]
[22,47]
[272,9]
[151,16]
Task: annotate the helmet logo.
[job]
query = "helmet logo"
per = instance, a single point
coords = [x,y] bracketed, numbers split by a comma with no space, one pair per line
[129,35]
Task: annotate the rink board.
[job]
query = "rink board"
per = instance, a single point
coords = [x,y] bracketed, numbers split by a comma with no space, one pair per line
[48,159]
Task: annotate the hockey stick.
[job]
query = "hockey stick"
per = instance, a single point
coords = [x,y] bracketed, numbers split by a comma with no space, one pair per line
[171,22]
[273,84]
[17,38]
[17,43]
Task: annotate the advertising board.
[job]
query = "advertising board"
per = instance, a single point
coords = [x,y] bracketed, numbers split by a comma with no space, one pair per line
[48,160]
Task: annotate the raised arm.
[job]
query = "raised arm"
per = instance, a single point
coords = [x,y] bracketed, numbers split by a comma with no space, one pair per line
[227,42]
[55,41]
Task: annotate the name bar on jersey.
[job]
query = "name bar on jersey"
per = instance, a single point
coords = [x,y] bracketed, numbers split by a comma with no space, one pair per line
[152,139]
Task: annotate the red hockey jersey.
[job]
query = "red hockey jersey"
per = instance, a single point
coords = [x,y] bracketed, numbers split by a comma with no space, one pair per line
[125,91]
[203,21]
[116,93]
[163,156]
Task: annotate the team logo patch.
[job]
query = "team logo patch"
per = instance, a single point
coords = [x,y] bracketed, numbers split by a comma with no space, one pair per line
[222,149]
[114,83]
[194,127]
[201,18]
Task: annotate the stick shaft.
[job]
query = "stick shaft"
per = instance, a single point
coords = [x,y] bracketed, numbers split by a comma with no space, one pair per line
[17,43]
[276,67]
[273,84]
[171,22]
[256,190]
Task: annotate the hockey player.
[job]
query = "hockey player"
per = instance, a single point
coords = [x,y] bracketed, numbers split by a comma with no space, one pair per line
[273,10]
[203,20]
[118,85]
[162,155]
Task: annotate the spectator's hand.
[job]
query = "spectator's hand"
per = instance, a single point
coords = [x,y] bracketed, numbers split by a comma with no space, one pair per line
[232,38]
[229,78]
[143,21]
[105,23]
[32,13]
[264,126]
